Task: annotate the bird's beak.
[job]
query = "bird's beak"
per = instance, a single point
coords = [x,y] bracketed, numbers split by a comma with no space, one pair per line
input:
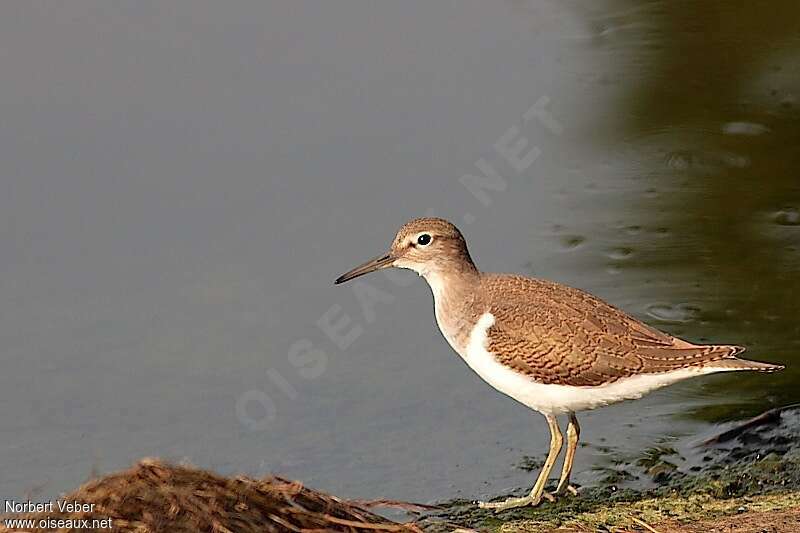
[372,265]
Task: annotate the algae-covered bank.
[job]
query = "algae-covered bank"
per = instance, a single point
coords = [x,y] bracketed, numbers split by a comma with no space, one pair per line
[749,482]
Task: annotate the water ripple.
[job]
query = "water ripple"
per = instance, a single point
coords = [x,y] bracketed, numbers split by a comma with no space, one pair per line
[787,217]
[673,313]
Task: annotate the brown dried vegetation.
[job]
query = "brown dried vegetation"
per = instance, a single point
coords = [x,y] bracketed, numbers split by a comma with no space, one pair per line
[156,497]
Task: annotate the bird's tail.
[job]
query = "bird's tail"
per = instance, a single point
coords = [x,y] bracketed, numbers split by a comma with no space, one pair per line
[731,362]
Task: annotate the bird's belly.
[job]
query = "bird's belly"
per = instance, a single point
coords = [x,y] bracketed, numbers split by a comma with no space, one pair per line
[552,398]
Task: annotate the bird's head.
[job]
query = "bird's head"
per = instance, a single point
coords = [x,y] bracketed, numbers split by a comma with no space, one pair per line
[428,246]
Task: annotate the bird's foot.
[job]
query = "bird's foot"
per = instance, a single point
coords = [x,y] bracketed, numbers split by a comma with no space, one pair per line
[513,503]
[510,503]
[567,488]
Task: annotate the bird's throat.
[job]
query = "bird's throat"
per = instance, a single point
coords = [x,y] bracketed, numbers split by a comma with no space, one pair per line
[458,302]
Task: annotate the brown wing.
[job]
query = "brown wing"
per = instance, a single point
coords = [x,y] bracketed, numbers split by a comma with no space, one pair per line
[559,334]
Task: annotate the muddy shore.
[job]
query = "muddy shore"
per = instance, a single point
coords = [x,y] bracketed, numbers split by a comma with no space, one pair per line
[749,481]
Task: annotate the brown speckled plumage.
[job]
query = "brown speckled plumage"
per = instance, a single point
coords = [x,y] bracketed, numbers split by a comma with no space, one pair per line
[558,334]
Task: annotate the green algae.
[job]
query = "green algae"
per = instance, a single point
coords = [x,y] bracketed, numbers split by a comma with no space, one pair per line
[653,510]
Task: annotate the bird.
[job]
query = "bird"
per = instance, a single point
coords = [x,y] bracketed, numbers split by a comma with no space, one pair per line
[556,349]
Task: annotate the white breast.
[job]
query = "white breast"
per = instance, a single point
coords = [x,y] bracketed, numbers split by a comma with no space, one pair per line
[558,399]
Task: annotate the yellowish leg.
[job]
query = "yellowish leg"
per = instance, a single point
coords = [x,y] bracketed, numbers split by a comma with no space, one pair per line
[537,492]
[573,434]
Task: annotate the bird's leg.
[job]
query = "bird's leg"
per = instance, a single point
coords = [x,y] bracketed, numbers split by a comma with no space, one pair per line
[573,434]
[535,496]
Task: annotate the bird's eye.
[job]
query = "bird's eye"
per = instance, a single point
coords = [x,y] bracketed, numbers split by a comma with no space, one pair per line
[424,239]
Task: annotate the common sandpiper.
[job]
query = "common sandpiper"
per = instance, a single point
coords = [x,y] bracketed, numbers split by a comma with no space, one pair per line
[554,348]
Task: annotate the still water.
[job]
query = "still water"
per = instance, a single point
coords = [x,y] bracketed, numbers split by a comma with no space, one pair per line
[181,182]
